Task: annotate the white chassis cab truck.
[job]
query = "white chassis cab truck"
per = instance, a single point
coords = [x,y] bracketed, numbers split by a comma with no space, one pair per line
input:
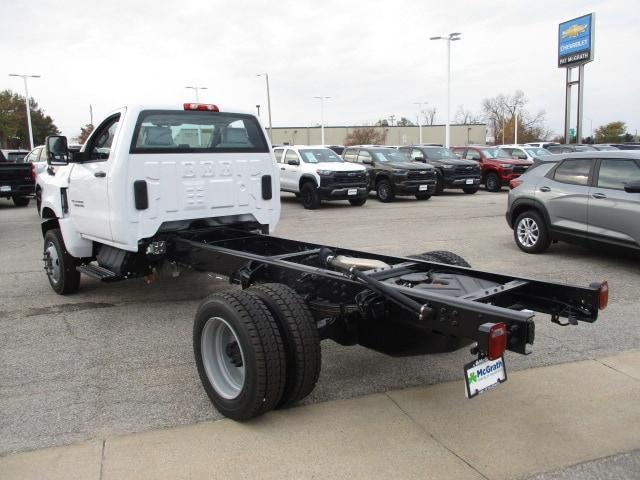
[156,189]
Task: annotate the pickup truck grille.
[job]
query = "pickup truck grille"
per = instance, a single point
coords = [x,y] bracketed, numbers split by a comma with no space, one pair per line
[466,170]
[345,178]
[519,169]
[421,175]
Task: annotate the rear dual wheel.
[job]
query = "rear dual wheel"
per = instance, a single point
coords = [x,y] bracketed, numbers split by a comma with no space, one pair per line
[256,350]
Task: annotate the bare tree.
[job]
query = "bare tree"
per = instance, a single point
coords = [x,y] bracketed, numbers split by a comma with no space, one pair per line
[501,111]
[366,136]
[84,133]
[466,117]
[429,115]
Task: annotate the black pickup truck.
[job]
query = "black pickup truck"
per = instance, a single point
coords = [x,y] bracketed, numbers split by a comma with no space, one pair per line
[391,174]
[17,181]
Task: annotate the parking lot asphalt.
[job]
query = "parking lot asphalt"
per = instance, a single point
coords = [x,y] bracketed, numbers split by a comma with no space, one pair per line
[117,358]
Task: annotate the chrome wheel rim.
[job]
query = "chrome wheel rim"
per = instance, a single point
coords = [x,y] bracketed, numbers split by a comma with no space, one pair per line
[52,262]
[223,358]
[528,232]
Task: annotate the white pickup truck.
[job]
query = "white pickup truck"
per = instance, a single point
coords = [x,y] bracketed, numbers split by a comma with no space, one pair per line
[158,188]
[148,170]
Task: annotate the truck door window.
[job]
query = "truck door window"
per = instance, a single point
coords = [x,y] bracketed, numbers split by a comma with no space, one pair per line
[277,152]
[99,147]
[363,155]
[291,155]
[350,155]
[33,156]
[415,153]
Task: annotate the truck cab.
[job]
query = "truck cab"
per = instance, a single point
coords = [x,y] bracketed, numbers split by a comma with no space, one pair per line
[148,170]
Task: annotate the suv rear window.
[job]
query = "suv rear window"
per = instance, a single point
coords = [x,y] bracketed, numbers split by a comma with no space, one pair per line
[175,131]
[573,171]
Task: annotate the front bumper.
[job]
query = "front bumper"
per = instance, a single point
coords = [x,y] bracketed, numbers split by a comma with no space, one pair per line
[413,187]
[8,191]
[342,193]
[462,181]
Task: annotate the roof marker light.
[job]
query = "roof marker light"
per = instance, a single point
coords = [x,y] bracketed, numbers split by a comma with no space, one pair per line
[205,107]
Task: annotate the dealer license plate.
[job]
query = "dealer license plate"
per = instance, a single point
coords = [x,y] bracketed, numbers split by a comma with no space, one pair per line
[483,375]
[469,181]
[5,188]
[352,191]
[422,188]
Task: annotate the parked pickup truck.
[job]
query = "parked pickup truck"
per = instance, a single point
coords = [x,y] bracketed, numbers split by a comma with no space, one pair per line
[316,173]
[453,172]
[498,167]
[158,188]
[391,174]
[17,181]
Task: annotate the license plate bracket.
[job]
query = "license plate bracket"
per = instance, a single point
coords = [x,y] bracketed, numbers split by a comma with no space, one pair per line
[352,191]
[483,375]
[469,181]
[423,188]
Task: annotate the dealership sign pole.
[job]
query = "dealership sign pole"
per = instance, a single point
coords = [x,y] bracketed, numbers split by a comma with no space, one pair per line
[575,49]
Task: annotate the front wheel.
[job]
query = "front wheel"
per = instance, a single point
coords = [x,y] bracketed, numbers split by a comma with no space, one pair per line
[530,232]
[21,201]
[470,190]
[358,202]
[423,196]
[384,191]
[492,182]
[309,196]
[59,264]
[239,354]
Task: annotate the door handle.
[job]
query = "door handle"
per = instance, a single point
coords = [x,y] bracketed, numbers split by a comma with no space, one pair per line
[598,195]
[545,189]
[282,168]
[100,174]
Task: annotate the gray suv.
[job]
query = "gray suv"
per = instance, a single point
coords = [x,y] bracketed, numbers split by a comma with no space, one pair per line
[590,198]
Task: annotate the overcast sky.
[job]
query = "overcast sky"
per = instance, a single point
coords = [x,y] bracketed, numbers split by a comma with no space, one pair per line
[373,58]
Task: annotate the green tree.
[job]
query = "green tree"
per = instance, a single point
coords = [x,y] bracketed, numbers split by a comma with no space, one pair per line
[13,121]
[612,132]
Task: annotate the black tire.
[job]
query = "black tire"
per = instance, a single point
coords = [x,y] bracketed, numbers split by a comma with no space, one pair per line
[59,264]
[358,202]
[300,335]
[439,184]
[256,338]
[20,201]
[524,232]
[39,200]
[423,196]
[470,191]
[492,182]
[443,256]
[309,196]
[384,191]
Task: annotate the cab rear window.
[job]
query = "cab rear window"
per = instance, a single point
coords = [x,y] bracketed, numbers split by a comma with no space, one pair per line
[173,131]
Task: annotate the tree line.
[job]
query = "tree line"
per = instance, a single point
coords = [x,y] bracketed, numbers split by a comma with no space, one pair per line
[14,130]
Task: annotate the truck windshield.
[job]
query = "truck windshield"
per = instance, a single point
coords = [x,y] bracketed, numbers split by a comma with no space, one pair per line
[319,155]
[440,153]
[495,153]
[175,131]
[389,155]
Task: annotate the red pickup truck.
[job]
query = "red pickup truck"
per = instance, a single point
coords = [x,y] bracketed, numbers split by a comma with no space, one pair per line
[498,167]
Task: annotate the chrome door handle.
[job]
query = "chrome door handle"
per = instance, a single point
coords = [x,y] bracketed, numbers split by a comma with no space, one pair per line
[100,174]
[545,189]
[598,195]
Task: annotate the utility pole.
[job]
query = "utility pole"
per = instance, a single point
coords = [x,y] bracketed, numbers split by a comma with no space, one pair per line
[419,120]
[452,37]
[322,99]
[266,77]
[197,89]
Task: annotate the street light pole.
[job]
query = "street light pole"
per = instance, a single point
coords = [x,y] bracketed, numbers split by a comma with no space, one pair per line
[197,89]
[452,37]
[266,77]
[258,107]
[26,101]
[420,121]
[515,127]
[321,98]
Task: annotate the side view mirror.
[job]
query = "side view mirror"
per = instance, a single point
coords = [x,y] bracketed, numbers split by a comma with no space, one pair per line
[57,150]
[419,159]
[632,187]
[368,161]
[293,161]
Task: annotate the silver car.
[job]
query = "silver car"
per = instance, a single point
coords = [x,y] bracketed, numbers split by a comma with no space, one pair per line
[590,198]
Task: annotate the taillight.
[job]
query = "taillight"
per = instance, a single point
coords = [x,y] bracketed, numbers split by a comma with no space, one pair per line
[494,340]
[516,182]
[603,295]
[206,107]
[33,172]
